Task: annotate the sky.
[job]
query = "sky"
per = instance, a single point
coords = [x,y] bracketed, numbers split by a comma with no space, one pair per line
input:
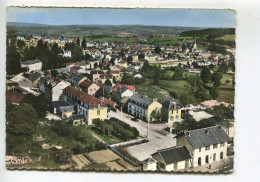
[102,16]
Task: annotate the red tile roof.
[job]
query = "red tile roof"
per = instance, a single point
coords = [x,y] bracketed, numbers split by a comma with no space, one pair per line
[118,67]
[106,76]
[109,102]
[14,97]
[117,86]
[122,62]
[86,83]
[96,72]
[75,68]
[105,63]
[67,64]
[83,96]
[130,87]
[114,72]
[101,84]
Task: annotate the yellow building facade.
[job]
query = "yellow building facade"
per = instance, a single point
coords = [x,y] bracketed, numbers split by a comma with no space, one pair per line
[96,113]
[174,115]
[154,106]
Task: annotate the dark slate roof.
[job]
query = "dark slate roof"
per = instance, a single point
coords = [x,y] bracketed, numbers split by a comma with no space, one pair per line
[59,103]
[34,76]
[168,104]
[174,154]
[140,100]
[78,116]
[149,160]
[31,61]
[206,136]
[75,77]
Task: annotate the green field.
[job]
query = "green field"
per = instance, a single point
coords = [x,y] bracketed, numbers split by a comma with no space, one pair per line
[228,37]
[226,92]
[148,89]
[164,40]
[177,86]
[226,95]
[112,39]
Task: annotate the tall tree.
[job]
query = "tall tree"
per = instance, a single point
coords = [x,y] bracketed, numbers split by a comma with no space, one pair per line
[156,77]
[22,120]
[13,65]
[83,44]
[39,103]
[157,50]
[78,41]
[216,79]
[214,92]
[129,60]
[205,75]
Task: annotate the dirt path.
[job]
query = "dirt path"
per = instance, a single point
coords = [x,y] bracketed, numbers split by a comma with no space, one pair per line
[99,139]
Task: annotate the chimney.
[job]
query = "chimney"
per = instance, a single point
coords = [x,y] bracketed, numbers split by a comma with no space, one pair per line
[207,131]
[219,127]
[94,105]
[174,106]
[188,133]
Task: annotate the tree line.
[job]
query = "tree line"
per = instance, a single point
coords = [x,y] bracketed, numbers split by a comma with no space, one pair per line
[117,128]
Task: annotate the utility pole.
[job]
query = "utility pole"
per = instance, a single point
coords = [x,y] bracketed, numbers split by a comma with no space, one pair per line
[147,136]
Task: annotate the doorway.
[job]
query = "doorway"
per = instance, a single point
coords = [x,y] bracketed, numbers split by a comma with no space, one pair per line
[207,159]
[199,161]
[221,155]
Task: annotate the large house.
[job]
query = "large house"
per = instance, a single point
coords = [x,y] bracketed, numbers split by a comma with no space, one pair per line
[142,107]
[174,110]
[87,105]
[206,145]
[89,87]
[52,88]
[75,80]
[32,65]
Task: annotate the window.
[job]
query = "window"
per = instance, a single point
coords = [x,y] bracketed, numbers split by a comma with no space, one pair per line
[214,156]
[200,149]
[222,144]
[98,112]
[162,165]
[215,146]
[207,148]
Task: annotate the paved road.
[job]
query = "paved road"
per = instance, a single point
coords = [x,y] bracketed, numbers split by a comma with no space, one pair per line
[156,141]
[141,128]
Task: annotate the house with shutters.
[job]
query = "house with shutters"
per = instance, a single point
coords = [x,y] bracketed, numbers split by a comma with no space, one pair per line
[174,110]
[87,105]
[141,106]
[88,87]
[172,159]
[206,145]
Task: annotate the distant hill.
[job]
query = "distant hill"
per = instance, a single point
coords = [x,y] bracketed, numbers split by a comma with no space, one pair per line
[18,24]
[15,28]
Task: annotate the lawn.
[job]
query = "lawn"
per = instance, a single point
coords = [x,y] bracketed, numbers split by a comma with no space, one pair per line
[177,86]
[148,89]
[228,37]
[226,95]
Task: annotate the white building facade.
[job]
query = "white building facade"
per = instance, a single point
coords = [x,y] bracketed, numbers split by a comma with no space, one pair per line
[32,65]
[206,145]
